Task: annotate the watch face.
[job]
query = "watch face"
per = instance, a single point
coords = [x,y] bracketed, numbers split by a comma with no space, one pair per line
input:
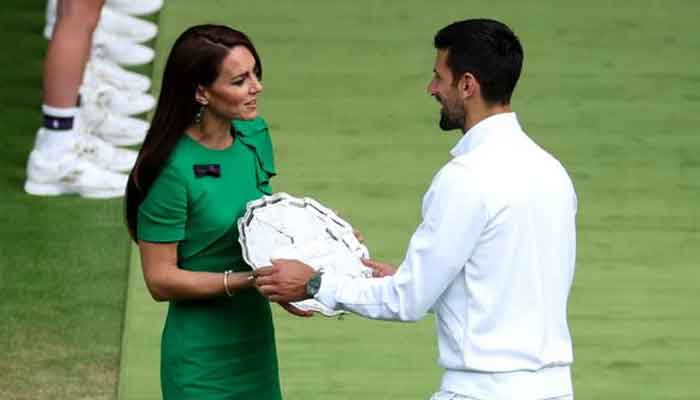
[314,284]
[283,226]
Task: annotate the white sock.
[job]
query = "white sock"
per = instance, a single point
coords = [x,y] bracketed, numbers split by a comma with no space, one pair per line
[54,141]
[63,112]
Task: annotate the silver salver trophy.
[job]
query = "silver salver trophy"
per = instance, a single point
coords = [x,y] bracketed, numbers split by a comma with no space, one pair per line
[283,226]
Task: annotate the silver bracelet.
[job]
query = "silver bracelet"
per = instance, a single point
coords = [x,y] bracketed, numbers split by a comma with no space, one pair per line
[229,293]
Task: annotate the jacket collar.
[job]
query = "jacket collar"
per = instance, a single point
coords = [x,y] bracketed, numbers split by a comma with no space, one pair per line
[483,129]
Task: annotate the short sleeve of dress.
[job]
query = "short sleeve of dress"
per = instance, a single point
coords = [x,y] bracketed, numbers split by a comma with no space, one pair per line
[163,214]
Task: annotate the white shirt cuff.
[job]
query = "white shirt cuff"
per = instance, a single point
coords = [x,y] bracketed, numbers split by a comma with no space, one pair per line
[326,293]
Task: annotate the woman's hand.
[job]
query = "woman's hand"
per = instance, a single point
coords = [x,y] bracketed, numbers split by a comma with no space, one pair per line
[358,235]
[166,281]
[296,311]
[379,269]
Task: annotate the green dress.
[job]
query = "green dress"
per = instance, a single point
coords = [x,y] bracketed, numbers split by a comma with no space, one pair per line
[224,347]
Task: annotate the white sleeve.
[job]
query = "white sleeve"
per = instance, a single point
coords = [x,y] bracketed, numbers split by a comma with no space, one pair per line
[454,217]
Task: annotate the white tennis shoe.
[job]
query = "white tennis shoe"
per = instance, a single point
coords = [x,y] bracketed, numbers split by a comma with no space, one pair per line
[89,147]
[116,129]
[125,26]
[50,16]
[111,22]
[105,155]
[100,70]
[119,50]
[71,173]
[115,48]
[121,102]
[136,7]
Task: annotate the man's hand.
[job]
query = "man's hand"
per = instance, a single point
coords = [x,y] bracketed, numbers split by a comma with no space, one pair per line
[284,281]
[379,269]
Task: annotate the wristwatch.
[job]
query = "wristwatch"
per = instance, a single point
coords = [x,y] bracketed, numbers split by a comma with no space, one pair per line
[314,284]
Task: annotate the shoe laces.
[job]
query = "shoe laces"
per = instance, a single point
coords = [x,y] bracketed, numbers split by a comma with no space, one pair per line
[90,146]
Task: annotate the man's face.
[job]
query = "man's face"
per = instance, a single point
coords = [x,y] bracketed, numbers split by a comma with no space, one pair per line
[445,91]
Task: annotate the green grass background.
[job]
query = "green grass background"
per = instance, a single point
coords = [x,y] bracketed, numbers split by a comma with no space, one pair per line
[611,88]
[62,260]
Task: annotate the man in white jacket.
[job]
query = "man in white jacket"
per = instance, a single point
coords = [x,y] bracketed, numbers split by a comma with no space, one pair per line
[495,252]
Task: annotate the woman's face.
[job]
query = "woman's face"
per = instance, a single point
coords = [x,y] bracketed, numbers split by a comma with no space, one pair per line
[233,95]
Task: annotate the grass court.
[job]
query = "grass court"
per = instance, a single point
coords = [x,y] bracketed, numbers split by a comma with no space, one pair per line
[611,88]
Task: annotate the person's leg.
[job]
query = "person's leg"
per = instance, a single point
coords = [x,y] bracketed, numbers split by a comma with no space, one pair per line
[56,166]
[64,65]
[69,51]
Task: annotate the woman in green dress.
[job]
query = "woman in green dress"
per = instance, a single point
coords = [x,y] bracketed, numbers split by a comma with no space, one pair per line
[206,155]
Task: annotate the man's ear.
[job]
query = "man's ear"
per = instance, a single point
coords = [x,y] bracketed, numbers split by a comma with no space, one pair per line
[201,96]
[468,85]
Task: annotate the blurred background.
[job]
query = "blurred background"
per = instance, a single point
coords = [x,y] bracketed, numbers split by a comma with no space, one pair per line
[612,89]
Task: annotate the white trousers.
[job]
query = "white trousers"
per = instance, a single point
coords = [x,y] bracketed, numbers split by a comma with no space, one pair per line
[443,395]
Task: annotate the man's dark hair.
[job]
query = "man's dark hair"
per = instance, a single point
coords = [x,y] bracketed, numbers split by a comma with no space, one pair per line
[487,49]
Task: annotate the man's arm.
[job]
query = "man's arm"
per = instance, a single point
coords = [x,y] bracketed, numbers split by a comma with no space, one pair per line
[453,218]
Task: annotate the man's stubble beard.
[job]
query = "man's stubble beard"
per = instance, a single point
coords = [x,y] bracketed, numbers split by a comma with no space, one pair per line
[451,120]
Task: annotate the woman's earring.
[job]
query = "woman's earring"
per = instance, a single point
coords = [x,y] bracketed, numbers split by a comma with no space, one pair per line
[198,115]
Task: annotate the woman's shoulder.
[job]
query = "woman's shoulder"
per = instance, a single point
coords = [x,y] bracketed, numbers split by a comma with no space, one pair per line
[179,158]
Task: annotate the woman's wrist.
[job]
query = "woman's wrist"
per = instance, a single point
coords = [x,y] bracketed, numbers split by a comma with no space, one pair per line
[248,279]
[234,281]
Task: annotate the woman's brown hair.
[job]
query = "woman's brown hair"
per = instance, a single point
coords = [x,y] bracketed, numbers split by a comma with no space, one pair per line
[194,60]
